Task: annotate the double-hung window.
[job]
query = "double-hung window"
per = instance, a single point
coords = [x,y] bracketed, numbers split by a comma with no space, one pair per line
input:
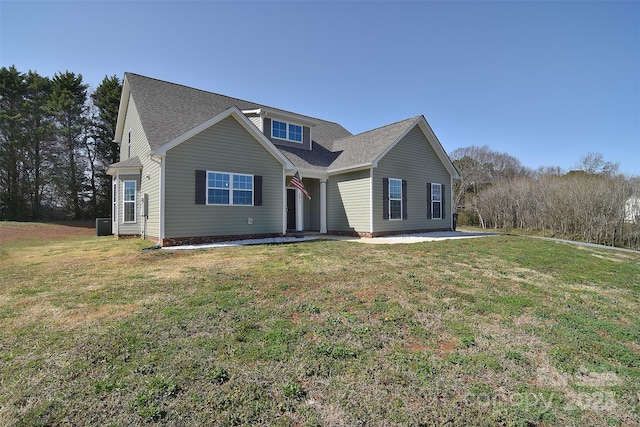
[288,131]
[129,201]
[229,189]
[395,198]
[436,201]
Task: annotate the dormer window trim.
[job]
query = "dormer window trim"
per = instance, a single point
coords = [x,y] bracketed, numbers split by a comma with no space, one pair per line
[287,131]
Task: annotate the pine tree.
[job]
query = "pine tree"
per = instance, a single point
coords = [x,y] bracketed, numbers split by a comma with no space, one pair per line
[68,99]
[106,99]
[12,93]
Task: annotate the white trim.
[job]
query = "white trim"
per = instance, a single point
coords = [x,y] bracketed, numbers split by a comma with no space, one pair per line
[122,110]
[243,120]
[134,201]
[355,168]
[299,210]
[307,173]
[284,116]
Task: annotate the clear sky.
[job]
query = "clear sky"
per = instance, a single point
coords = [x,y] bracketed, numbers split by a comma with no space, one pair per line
[545,81]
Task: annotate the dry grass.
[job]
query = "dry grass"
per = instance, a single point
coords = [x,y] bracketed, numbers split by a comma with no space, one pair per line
[500,331]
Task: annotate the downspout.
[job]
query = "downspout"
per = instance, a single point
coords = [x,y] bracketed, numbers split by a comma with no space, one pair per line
[161,201]
[371,200]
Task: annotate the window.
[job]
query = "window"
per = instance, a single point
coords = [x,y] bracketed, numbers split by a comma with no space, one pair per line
[289,131]
[129,146]
[295,133]
[395,198]
[129,198]
[229,189]
[436,201]
[279,129]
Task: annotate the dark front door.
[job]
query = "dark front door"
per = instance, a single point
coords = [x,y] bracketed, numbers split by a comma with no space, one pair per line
[291,209]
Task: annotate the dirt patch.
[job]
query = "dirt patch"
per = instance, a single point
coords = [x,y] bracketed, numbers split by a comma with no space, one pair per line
[15,231]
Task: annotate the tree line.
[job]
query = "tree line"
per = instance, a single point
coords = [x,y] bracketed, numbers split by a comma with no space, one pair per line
[585,204]
[56,143]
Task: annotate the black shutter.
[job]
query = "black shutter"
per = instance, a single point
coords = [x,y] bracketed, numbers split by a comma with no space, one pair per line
[267,127]
[442,197]
[429,200]
[306,136]
[385,198]
[404,199]
[201,187]
[257,190]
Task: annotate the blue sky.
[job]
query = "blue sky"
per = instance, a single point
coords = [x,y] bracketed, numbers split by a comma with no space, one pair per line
[545,81]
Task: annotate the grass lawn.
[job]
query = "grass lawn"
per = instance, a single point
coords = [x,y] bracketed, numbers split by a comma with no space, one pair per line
[502,330]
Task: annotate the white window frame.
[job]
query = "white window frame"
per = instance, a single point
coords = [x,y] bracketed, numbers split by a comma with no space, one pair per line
[435,200]
[125,201]
[398,199]
[231,188]
[288,126]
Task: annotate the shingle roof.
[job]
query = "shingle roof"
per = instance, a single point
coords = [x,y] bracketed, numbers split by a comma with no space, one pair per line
[368,146]
[168,110]
[133,162]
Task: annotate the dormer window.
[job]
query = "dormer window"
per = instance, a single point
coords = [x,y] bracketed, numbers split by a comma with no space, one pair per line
[287,131]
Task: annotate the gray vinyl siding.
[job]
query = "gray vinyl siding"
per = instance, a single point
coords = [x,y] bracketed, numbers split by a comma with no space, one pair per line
[139,143]
[224,147]
[348,202]
[150,184]
[125,228]
[148,181]
[412,159]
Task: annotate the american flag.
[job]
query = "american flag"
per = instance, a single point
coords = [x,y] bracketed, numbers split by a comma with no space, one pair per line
[297,182]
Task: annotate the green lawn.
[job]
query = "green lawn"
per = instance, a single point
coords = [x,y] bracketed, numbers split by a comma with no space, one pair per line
[501,330]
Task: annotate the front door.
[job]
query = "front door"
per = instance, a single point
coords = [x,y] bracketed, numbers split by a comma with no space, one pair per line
[291,209]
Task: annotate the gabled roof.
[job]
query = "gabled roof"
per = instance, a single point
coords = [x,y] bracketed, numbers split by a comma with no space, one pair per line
[366,148]
[170,112]
[242,120]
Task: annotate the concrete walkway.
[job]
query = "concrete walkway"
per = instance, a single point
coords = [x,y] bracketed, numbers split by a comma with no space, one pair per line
[387,240]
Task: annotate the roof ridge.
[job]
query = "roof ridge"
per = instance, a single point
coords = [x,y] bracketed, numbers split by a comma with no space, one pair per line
[377,129]
[231,97]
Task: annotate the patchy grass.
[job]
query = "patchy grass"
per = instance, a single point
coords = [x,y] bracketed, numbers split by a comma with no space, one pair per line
[494,331]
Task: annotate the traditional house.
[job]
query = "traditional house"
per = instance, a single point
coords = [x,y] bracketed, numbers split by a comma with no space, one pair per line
[198,167]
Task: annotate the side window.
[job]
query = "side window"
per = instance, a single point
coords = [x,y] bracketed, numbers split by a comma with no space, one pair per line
[436,201]
[395,198]
[129,201]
